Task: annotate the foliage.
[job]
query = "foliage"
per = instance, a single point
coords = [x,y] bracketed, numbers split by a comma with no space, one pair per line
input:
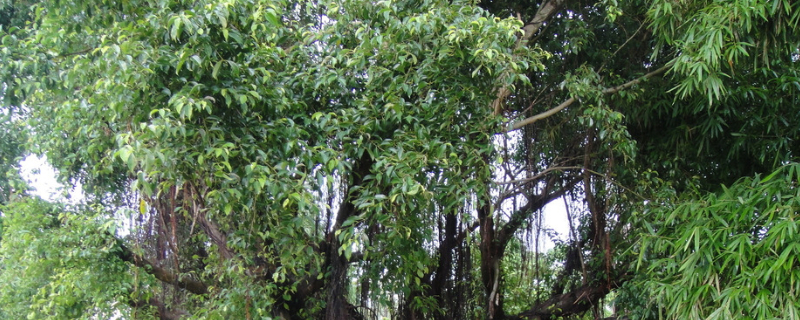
[12,139]
[364,159]
[726,117]
[728,255]
[534,276]
[58,264]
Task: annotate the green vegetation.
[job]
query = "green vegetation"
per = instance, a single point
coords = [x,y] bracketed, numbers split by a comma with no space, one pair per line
[357,159]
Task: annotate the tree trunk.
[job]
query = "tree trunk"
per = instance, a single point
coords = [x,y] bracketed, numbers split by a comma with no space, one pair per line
[337,307]
[490,264]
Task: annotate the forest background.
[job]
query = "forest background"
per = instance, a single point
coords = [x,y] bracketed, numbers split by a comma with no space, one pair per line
[358,159]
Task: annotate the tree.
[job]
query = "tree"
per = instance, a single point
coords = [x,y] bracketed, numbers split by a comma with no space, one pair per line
[61,264]
[12,140]
[366,159]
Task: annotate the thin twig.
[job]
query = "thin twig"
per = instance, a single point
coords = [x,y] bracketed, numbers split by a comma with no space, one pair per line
[620,48]
[540,175]
[75,53]
[568,102]
[536,99]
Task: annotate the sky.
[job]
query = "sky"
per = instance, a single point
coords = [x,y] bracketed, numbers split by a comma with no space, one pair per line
[41,176]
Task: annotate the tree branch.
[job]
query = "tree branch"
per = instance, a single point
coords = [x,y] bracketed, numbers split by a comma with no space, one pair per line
[568,102]
[542,115]
[191,285]
[545,11]
[463,234]
[576,302]
[217,237]
[534,203]
[209,227]
[540,175]
[79,52]
[336,285]
[638,80]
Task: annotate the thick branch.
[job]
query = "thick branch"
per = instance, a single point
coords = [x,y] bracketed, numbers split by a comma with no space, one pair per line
[568,102]
[336,286]
[191,285]
[210,228]
[576,302]
[217,237]
[534,203]
[542,115]
[545,11]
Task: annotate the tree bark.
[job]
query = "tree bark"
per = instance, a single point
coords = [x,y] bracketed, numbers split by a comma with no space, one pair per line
[543,13]
[575,302]
[187,283]
[337,307]
[490,263]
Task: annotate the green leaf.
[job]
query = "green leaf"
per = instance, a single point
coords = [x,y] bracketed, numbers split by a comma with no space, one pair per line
[215,70]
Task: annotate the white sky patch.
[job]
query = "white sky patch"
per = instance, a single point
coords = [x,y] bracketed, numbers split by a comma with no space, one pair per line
[555,217]
[42,178]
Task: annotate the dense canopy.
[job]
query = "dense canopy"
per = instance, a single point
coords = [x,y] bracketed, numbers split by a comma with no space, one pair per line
[361,159]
